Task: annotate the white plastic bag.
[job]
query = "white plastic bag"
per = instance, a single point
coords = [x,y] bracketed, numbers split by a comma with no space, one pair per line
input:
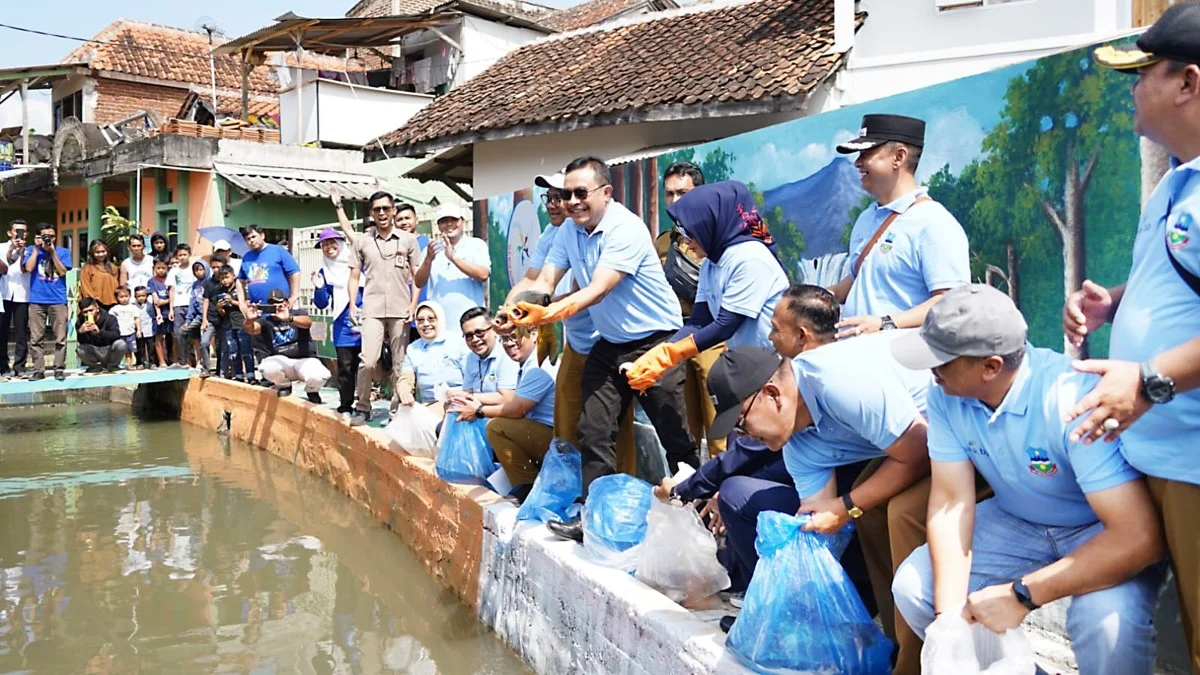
[955,647]
[679,555]
[414,428]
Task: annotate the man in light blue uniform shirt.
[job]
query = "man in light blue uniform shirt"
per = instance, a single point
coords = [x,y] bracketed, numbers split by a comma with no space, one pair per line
[489,377]
[609,253]
[455,267]
[520,431]
[905,249]
[1149,393]
[1066,521]
[834,406]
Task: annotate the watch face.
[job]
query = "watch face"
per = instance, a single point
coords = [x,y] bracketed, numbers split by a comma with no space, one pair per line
[1159,390]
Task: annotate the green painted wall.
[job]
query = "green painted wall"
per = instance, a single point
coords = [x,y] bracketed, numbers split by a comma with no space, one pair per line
[276,212]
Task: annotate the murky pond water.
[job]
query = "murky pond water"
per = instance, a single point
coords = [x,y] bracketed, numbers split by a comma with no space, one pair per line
[133,546]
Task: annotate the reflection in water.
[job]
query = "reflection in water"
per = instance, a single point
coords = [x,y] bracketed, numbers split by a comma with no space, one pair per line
[131,546]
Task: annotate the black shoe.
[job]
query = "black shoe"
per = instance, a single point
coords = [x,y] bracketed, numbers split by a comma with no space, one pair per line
[314,397]
[571,530]
[727,622]
[359,418]
[60,374]
[37,375]
[283,391]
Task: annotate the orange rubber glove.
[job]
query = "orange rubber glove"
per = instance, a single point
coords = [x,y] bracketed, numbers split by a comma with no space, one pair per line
[650,366]
[529,314]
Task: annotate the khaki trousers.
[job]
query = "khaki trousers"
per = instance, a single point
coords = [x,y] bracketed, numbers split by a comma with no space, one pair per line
[888,536]
[1178,502]
[700,410]
[568,406]
[373,333]
[520,446]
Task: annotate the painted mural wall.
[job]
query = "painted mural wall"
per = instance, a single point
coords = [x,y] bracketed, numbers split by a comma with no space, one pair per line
[1038,161]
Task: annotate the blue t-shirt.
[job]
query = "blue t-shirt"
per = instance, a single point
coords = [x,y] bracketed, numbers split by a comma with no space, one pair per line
[158,289]
[579,330]
[747,281]
[1159,312]
[267,270]
[434,363]
[535,384]
[642,303]
[923,250]
[449,286]
[491,373]
[46,285]
[1022,447]
[861,400]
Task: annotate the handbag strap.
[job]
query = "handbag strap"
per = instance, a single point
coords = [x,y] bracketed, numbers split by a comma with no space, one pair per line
[883,228]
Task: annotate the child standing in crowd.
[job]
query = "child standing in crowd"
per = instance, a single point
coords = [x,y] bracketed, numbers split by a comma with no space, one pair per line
[145,327]
[237,357]
[160,297]
[195,316]
[127,316]
[180,280]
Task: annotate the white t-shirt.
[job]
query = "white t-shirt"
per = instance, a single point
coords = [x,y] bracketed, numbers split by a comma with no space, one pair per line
[14,286]
[182,279]
[126,316]
[138,274]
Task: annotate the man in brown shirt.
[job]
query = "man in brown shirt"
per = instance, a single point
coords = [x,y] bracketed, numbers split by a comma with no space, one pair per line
[387,257]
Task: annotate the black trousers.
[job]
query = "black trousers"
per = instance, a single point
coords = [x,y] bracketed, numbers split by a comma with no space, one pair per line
[14,326]
[606,397]
[348,359]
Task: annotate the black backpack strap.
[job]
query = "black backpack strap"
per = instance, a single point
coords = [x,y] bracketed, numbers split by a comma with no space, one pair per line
[1190,279]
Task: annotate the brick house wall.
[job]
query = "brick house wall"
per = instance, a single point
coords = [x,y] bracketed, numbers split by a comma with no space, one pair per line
[118,99]
[370,9]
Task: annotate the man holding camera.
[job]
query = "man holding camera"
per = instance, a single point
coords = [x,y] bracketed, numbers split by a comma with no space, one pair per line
[48,265]
[14,291]
[101,347]
[284,347]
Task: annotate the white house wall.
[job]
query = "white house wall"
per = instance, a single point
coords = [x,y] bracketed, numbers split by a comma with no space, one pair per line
[484,42]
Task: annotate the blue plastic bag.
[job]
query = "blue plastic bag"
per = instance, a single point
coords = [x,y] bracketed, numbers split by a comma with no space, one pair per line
[464,455]
[614,520]
[558,484]
[801,612]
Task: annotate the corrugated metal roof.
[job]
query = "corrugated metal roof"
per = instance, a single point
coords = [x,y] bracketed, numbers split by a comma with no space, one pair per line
[297,183]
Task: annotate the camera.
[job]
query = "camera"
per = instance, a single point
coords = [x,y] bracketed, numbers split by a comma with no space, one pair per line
[46,239]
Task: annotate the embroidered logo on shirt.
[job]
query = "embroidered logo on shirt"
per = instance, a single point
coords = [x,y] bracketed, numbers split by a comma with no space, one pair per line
[889,241]
[1040,464]
[1177,234]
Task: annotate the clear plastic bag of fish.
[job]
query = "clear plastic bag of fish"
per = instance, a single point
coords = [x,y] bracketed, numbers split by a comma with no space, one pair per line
[955,647]
[801,613]
[558,484]
[680,558]
[414,429]
[614,520]
[464,455]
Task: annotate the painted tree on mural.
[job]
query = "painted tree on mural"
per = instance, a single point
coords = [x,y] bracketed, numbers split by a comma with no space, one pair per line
[1060,139]
[716,165]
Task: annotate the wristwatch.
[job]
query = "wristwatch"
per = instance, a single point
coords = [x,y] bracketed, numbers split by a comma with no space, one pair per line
[853,510]
[1023,595]
[479,411]
[1157,388]
[887,322]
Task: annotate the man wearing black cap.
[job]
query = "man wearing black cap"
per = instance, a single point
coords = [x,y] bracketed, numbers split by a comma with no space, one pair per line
[905,249]
[1149,394]
[837,405]
[1066,521]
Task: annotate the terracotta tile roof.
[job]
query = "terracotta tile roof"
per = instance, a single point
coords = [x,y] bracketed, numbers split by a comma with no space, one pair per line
[759,55]
[164,53]
[230,103]
[523,8]
[588,14]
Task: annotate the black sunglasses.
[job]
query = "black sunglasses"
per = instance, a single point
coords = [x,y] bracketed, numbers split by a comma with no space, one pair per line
[552,196]
[739,426]
[579,193]
[478,334]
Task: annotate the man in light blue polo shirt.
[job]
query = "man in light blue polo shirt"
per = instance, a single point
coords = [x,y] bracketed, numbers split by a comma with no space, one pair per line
[609,253]
[905,249]
[1150,392]
[833,406]
[489,377]
[1066,521]
[455,266]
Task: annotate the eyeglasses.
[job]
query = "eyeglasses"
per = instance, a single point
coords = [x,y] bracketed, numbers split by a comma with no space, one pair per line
[579,193]
[682,234]
[380,209]
[428,319]
[740,427]
[552,197]
[477,335]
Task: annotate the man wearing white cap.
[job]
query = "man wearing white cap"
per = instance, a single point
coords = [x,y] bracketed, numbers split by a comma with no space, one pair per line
[1066,521]
[455,266]
[222,246]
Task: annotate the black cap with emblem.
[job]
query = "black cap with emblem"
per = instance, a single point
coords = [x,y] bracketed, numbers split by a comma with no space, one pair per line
[736,375]
[879,129]
[1175,36]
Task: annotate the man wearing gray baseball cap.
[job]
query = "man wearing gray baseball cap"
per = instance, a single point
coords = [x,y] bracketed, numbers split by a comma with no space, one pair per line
[1067,520]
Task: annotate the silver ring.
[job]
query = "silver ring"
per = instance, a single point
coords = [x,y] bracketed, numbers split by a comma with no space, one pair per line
[1110,424]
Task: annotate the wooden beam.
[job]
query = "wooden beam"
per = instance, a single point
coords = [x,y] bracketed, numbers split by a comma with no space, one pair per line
[1146,12]
[245,89]
[25,121]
